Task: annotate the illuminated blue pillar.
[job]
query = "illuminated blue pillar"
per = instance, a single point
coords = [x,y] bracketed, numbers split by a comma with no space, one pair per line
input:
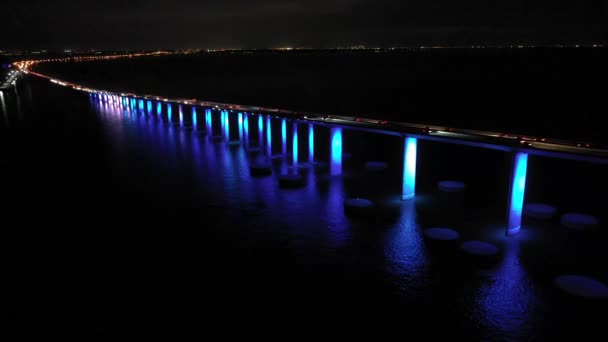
[260,131]
[159,108]
[410,147]
[223,123]
[141,104]
[311,143]
[149,106]
[240,121]
[268,136]
[283,137]
[294,145]
[246,129]
[226,126]
[169,112]
[194,119]
[181,116]
[335,138]
[518,189]
[208,126]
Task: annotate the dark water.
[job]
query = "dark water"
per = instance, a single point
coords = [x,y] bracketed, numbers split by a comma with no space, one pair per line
[117,220]
[557,93]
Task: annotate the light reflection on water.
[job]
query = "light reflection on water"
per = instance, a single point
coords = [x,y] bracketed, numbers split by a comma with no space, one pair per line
[506,297]
[404,246]
[311,217]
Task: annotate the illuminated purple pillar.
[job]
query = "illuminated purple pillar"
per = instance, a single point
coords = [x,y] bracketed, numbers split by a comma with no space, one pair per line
[294,144]
[518,190]
[335,137]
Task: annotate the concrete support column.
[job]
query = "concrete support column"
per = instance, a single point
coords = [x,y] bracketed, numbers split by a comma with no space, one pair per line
[335,141]
[410,148]
[294,145]
[517,192]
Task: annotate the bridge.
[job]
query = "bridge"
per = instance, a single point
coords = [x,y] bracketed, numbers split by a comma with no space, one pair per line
[191,111]
[9,81]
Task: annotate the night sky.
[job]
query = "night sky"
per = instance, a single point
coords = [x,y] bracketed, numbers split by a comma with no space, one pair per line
[152,24]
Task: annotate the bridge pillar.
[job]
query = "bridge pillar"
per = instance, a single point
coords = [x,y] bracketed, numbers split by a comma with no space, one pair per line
[223,129]
[268,136]
[149,105]
[311,143]
[294,145]
[246,129]
[181,115]
[240,130]
[208,126]
[159,108]
[169,112]
[226,125]
[335,137]
[517,192]
[194,119]
[410,147]
[283,137]
[260,131]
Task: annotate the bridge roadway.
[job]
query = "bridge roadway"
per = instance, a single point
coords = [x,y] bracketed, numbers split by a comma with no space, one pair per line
[519,146]
[493,140]
[547,147]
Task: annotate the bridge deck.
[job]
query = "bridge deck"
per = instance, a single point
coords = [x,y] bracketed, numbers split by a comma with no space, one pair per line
[484,139]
